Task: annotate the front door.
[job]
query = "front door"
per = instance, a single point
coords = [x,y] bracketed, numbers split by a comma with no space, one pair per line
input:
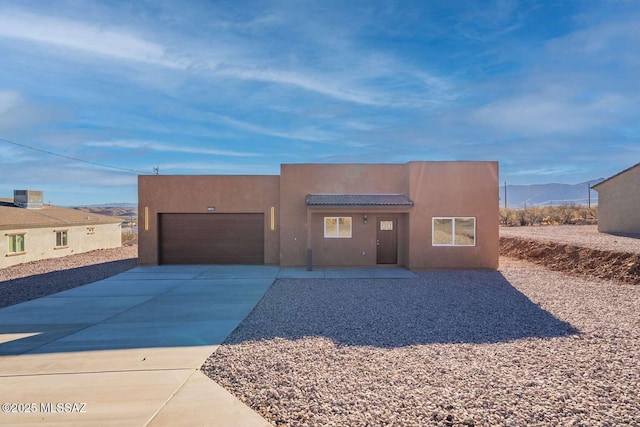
[387,241]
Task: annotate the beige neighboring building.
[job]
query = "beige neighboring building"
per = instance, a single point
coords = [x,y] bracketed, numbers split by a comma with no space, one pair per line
[32,231]
[420,215]
[619,202]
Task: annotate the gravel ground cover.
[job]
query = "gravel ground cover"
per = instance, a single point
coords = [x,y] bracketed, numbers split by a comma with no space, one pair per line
[577,235]
[31,280]
[524,346]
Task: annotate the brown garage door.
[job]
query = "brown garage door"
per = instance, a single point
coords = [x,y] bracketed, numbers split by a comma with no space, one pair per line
[212,238]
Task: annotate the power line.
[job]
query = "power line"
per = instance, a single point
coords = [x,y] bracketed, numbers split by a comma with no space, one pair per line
[73,158]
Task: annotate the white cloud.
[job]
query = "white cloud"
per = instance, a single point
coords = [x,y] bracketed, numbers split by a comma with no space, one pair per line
[333,87]
[90,38]
[11,155]
[356,81]
[220,168]
[310,134]
[8,100]
[17,112]
[547,113]
[177,148]
[550,170]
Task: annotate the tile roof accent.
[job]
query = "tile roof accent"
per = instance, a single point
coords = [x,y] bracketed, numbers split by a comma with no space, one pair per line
[13,217]
[328,200]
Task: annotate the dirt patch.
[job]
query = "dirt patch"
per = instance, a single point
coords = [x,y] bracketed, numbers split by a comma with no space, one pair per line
[622,267]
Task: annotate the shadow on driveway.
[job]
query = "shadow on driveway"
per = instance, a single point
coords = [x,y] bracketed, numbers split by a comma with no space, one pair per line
[436,307]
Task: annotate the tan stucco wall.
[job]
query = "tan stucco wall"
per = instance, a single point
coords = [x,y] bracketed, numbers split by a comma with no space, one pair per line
[437,188]
[360,249]
[298,180]
[40,242]
[450,189]
[194,194]
[619,203]
[454,189]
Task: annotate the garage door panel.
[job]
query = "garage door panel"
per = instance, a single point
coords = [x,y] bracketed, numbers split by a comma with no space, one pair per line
[212,238]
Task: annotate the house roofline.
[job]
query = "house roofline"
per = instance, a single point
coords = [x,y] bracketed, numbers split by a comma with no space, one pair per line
[614,176]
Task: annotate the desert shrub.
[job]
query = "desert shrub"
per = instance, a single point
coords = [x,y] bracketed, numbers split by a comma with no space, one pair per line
[129,238]
[549,215]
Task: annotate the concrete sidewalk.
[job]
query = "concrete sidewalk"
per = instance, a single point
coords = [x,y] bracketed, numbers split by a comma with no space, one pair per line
[126,351]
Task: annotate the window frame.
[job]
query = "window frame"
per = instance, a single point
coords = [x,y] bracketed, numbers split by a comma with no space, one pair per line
[337,235]
[63,243]
[453,231]
[13,237]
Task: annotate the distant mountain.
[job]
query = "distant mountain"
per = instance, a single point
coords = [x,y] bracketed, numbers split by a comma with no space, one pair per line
[549,194]
[110,205]
[123,210]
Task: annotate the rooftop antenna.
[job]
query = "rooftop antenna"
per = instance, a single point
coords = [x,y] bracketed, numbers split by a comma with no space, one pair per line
[156,170]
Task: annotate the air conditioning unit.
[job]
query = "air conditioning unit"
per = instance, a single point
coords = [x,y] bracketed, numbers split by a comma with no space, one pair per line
[28,199]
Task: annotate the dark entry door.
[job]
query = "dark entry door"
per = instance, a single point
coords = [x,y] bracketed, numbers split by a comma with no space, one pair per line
[387,241]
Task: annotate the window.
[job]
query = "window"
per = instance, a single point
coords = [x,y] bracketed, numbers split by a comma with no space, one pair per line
[337,227]
[61,239]
[16,243]
[460,231]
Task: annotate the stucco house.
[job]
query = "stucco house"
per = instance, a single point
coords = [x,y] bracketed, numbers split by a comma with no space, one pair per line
[32,231]
[420,215]
[619,202]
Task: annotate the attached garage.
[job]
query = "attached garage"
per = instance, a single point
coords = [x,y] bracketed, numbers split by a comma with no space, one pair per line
[211,238]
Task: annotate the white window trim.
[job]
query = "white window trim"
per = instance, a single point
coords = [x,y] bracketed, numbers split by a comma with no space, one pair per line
[337,218]
[453,231]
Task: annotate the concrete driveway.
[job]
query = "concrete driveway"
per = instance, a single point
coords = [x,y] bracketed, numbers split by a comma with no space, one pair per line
[126,351]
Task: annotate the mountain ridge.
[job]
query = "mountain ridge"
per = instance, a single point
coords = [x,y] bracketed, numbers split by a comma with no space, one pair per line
[552,194]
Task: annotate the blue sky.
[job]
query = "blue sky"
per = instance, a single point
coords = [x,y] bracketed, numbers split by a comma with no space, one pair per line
[550,89]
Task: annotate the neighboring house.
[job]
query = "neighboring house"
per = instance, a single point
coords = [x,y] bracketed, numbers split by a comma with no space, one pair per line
[419,215]
[32,231]
[619,202]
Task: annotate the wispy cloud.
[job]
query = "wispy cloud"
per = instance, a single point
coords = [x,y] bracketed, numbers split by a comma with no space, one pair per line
[16,112]
[361,85]
[169,148]
[93,39]
[553,170]
[310,134]
[221,168]
[551,113]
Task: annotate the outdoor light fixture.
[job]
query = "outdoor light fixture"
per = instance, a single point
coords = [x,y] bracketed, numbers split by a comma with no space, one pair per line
[365,219]
[273,218]
[211,208]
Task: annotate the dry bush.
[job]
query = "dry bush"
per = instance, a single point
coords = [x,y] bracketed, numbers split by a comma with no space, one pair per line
[549,215]
[129,238]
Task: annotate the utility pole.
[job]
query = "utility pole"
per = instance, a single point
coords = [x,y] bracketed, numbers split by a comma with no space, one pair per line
[589,190]
[505,195]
